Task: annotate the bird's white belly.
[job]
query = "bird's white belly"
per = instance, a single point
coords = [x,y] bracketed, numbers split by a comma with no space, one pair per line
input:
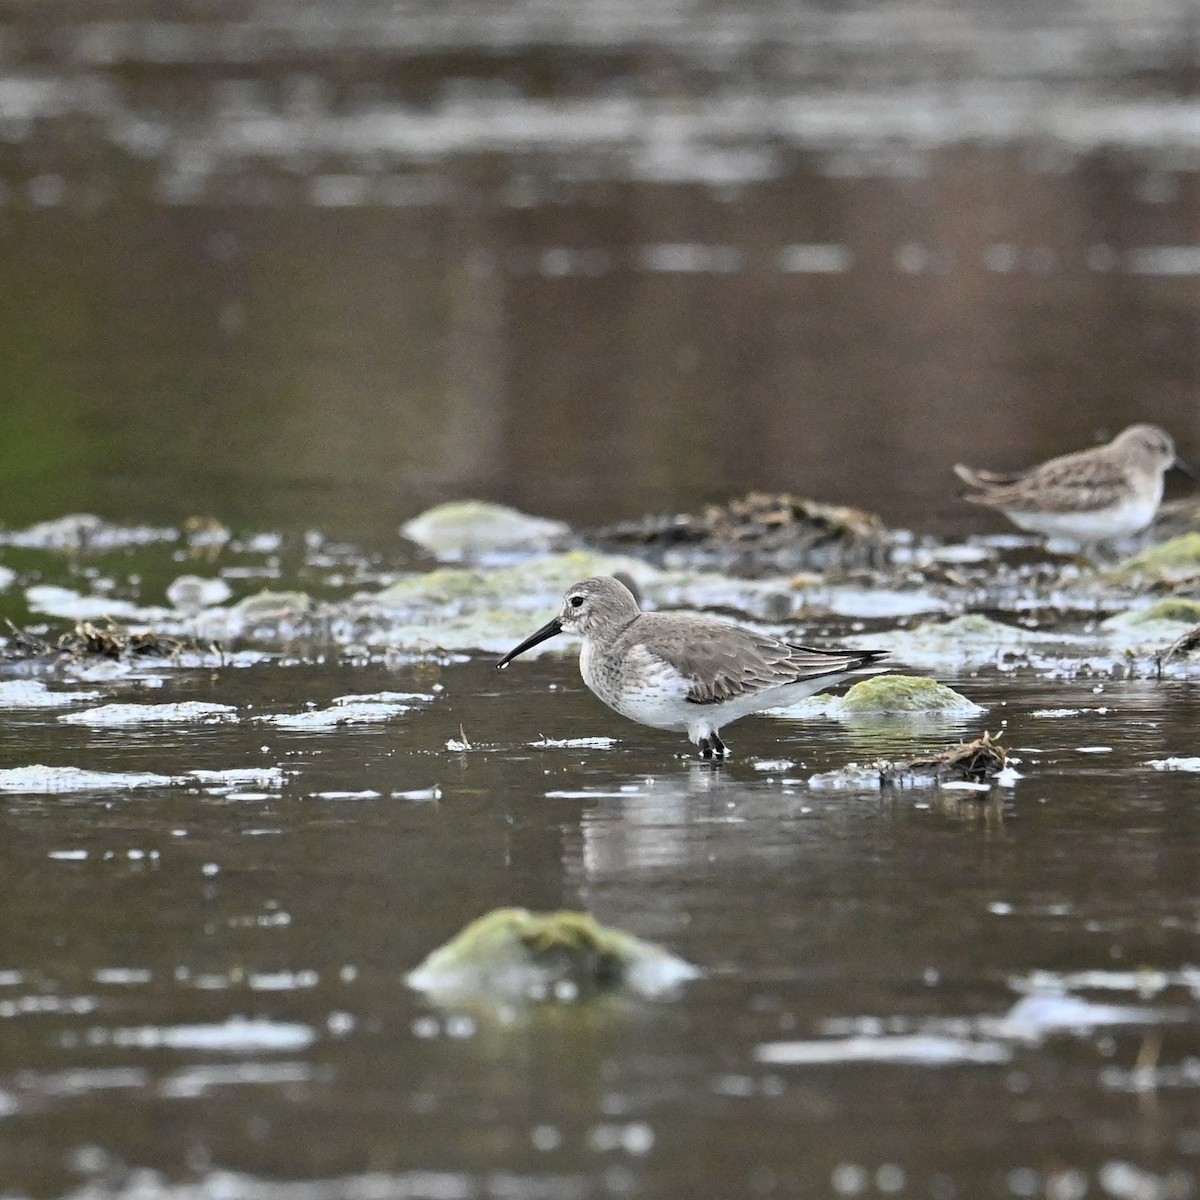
[652,692]
[1119,521]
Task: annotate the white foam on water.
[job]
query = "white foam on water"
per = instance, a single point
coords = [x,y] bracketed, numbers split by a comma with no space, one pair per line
[189,1082]
[429,793]
[283,981]
[181,713]
[56,601]
[911,1049]
[1142,982]
[690,258]
[1175,764]
[401,699]
[1035,1016]
[236,1035]
[32,693]
[815,258]
[40,780]
[45,781]
[128,976]
[345,710]
[263,777]
[376,1185]
[83,530]
[1163,260]
[582,795]
[581,743]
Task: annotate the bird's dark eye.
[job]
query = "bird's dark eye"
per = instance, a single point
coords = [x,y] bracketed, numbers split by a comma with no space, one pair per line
[575,601]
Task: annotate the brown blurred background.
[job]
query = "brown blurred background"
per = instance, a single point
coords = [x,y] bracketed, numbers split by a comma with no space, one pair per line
[323,263]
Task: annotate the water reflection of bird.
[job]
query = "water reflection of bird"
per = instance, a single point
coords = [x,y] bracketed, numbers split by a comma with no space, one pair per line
[685,672]
[1109,492]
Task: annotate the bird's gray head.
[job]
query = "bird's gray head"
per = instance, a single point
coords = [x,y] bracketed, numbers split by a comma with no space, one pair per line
[594,607]
[1150,444]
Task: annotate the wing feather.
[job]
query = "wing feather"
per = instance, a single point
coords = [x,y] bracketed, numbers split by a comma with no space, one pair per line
[721,662]
[1080,482]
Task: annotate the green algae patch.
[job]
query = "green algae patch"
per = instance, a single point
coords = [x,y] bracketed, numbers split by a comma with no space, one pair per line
[460,608]
[466,529]
[968,640]
[1173,610]
[527,585]
[514,954]
[901,695]
[1169,562]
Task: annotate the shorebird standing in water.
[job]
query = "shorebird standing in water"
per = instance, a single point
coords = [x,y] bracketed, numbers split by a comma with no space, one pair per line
[1098,495]
[689,673]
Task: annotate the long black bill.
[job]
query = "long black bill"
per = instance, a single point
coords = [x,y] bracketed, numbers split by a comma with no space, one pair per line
[547,631]
[1182,464]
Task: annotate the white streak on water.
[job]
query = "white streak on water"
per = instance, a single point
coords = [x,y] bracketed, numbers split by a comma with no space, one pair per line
[1175,764]
[815,258]
[1163,260]
[913,1049]
[232,1036]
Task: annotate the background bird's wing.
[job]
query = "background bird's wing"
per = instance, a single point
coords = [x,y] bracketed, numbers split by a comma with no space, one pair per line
[974,477]
[1073,483]
[723,662]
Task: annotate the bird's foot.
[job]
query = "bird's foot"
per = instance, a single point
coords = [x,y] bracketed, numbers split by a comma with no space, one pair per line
[711,747]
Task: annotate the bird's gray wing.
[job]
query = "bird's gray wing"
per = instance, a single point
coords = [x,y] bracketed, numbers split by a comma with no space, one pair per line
[983,480]
[1074,483]
[722,662]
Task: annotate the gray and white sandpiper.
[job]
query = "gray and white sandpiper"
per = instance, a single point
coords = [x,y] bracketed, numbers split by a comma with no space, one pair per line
[1097,495]
[685,672]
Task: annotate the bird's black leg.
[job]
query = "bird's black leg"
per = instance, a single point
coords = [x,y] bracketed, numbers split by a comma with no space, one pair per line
[719,748]
[706,747]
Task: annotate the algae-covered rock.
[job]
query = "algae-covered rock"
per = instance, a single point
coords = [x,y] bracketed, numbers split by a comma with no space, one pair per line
[263,616]
[971,639]
[514,954]
[460,608]
[900,695]
[190,593]
[886,696]
[466,529]
[1176,610]
[1168,562]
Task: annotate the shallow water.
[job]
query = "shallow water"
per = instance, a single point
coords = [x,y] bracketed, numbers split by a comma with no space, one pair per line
[204,980]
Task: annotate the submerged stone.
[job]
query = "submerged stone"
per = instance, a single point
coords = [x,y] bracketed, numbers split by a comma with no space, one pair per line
[969,639]
[1169,562]
[901,695]
[460,608]
[471,528]
[514,954]
[190,593]
[1174,609]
